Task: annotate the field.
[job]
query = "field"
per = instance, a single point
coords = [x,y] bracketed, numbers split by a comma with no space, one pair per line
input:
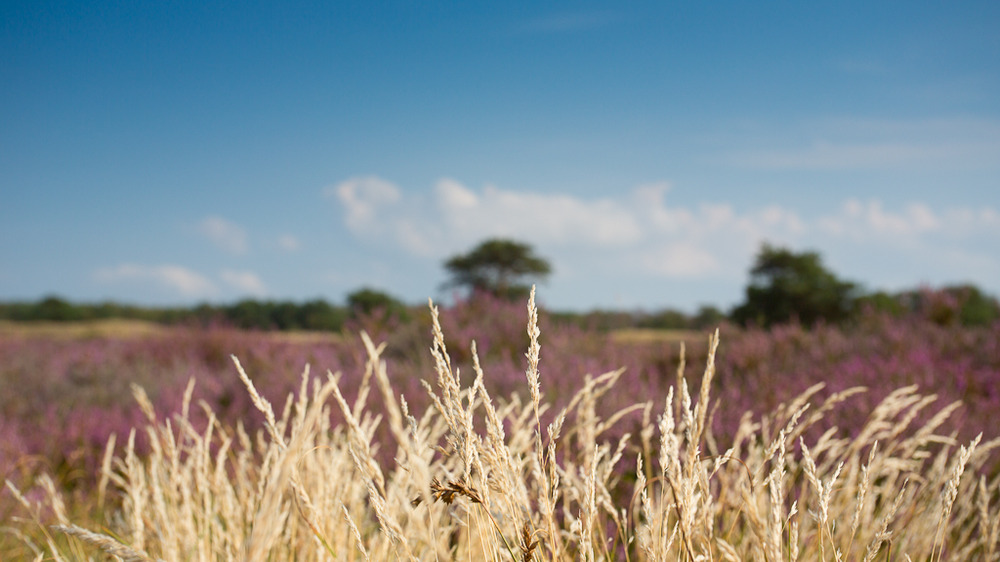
[487,432]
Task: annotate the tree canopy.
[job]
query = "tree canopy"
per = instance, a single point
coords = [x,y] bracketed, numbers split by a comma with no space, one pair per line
[785,285]
[497,266]
[367,301]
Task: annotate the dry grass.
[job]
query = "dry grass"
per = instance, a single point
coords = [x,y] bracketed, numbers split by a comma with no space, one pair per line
[119,328]
[477,477]
[110,328]
[647,335]
[306,336]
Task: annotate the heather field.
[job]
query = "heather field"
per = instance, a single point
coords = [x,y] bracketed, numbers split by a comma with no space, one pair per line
[468,435]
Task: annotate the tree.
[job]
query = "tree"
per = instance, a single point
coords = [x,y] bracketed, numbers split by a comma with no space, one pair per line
[499,267]
[367,301]
[707,317]
[58,309]
[785,285]
[249,314]
[318,314]
[976,307]
[958,304]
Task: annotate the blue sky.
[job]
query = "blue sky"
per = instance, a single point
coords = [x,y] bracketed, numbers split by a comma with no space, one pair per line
[178,152]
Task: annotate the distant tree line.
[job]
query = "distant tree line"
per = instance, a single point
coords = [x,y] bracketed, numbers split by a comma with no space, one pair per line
[784,286]
[315,315]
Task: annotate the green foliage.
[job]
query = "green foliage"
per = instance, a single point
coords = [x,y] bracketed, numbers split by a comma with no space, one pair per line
[964,305]
[786,286]
[667,319]
[251,314]
[367,301]
[285,315]
[499,267]
[600,320]
[881,302]
[978,309]
[57,309]
[708,317]
[248,313]
[318,314]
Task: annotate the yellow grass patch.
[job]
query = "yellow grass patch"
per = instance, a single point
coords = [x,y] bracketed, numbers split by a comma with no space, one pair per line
[652,335]
[109,328]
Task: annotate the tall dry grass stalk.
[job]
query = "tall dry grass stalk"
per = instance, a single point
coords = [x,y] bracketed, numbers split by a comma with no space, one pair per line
[478,477]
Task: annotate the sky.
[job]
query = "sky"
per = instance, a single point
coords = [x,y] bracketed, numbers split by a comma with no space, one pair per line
[173,153]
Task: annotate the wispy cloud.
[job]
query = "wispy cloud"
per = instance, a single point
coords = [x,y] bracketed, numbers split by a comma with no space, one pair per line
[362,197]
[227,236]
[642,234]
[182,281]
[865,221]
[679,259]
[246,282]
[177,279]
[556,218]
[638,231]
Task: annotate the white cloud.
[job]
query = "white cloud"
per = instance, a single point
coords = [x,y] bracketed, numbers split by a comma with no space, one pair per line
[640,240]
[779,217]
[900,247]
[363,198]
[553,218]
[868,221]
[227,236]
[419,237]
[639,236]
[636,233]
[244,281]
[179,279]
[681,259]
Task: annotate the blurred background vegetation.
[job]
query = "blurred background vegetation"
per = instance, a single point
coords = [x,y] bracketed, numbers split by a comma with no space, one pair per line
[784,287]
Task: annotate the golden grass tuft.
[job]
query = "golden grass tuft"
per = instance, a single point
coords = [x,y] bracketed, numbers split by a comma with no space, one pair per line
[478,477]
